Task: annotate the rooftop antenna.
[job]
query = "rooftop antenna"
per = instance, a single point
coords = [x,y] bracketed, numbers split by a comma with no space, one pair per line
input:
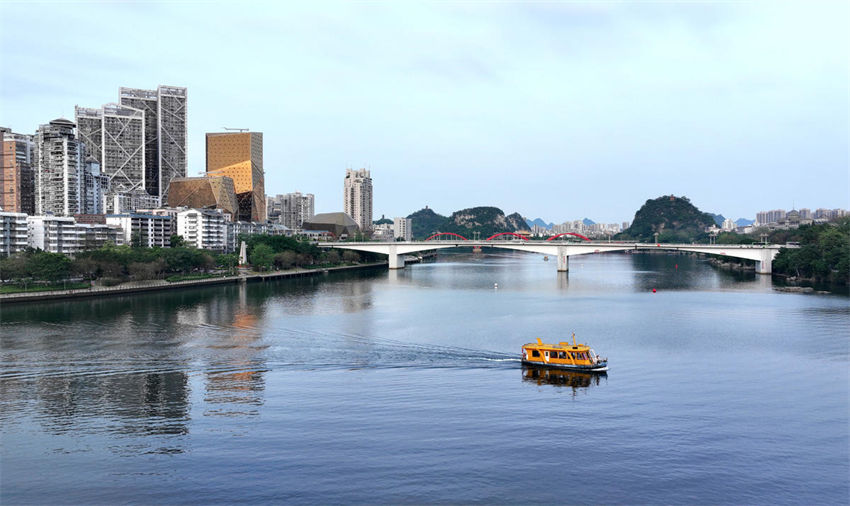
[236,129]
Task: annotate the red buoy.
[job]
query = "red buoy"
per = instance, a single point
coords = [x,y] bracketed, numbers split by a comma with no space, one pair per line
[653,290]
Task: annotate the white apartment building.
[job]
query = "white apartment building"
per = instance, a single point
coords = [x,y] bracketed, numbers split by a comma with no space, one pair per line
[56,234]
[13,233]
[148,230]
[204,228]
[402,228]
[357,197]
[728,225]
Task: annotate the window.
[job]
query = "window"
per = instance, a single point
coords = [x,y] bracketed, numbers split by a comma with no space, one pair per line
[535,353]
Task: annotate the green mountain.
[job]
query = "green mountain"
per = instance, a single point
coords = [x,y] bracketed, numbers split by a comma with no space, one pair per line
[484,220]
[425,223]
[675,219]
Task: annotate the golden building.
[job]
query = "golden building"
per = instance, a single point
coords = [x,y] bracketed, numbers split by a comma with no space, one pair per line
[239,156]
[216,192]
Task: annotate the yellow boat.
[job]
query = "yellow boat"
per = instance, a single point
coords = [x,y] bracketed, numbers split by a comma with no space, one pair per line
[575,357]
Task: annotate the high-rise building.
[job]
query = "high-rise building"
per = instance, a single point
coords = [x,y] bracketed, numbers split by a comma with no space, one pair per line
[17,177]
[58,169]
[90,130]
[291,209]
[146,101]
[140,142]
[239,156]
[357,197]
[123,158]
[114,136]
[172,136]
[165,134]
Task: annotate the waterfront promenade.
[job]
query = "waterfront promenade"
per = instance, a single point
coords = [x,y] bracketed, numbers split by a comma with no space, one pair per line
[160,284]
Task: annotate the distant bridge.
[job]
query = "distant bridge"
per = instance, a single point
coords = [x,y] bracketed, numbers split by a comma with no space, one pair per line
[763,254]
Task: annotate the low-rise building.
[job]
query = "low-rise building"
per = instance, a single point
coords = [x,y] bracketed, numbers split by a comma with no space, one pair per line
[95,235]
[204,228]
[56,234]
[13,233]
[383,232]
[402,228]
[146,230]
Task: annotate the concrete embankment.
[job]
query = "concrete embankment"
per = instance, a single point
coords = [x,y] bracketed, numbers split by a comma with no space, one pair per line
[153,285]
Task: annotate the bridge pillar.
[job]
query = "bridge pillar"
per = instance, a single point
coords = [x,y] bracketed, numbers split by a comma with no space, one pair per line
[765,265]
[563,259]
[396,261]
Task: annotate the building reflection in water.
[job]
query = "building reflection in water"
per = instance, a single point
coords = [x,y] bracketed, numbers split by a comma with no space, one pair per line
[562,378]
[234,378]
[154,405]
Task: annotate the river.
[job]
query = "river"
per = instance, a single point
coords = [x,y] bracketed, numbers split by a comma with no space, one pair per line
[405,386]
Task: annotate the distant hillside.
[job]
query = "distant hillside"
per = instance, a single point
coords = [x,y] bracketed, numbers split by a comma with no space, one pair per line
[675,219]
[718,219]
[383,221]
[588,222]
[538,222]
[743,222]
[425,222]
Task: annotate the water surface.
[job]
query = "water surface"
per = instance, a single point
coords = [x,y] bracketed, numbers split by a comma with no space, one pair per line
[405,386]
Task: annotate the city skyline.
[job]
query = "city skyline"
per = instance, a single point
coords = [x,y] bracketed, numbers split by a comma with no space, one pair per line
[552,110]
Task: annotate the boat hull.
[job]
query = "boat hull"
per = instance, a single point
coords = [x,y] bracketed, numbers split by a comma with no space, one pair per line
[569,367]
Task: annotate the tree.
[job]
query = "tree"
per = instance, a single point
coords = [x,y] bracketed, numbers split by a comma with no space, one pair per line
[285,260]
[13,267]
[350,257]
[261,257]
[85,267]
[140,270]
[49,266]
[228,261]
[332,256]
[177,241]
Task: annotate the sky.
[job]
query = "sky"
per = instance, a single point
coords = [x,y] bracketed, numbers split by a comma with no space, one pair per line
[557,110]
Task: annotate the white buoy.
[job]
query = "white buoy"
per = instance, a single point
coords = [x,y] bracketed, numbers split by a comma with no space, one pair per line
[496,286]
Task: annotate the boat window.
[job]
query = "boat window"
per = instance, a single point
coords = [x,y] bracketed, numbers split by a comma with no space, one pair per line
[562,354]
[535,353]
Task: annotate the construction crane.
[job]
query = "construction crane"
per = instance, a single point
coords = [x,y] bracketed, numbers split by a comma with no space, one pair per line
[236,129]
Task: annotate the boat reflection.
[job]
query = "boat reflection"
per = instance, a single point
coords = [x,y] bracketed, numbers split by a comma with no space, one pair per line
[561,377]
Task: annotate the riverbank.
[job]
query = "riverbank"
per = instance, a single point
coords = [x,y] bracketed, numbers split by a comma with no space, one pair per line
[160,284]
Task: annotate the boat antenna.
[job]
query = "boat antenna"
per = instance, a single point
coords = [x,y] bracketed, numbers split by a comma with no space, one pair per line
[574,338]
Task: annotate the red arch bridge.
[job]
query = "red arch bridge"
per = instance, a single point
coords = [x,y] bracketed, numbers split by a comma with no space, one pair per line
[763,254]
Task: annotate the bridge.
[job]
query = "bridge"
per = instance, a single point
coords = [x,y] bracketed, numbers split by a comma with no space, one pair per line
[763,254]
